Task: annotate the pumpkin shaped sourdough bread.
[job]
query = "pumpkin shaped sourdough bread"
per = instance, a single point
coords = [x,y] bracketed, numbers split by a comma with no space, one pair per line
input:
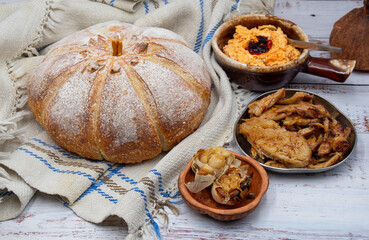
[120,92]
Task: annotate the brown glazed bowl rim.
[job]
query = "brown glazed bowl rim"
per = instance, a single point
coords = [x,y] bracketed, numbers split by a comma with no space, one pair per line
[258,69]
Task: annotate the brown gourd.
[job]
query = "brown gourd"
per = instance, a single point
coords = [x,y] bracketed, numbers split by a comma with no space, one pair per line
[351,33]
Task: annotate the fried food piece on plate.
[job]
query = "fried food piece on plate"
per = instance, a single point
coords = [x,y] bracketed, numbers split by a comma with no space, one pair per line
[339,138]
[308,131]
[258,107]
[303,109]
[327,161]
[335,139]
[338,130]
[309,110]
[297,97]
[275,113]
[274,119]
[324,149]
[297,121]
[324,126]
[314,141]
[340,144]
[276,164]
[275,142]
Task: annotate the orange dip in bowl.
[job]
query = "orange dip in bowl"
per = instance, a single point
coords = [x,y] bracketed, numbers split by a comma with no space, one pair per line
[260,46]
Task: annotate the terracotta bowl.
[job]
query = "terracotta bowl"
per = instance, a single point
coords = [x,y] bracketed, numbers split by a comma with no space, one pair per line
[203,202]
[266,78]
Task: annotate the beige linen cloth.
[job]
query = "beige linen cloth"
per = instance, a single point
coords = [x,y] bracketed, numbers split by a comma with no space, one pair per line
[30,161]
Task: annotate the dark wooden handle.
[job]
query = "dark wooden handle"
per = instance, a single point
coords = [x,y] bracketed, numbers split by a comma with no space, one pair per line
[335,69]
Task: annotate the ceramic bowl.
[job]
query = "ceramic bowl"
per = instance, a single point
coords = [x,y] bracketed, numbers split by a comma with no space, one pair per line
[266,78]
[203,202]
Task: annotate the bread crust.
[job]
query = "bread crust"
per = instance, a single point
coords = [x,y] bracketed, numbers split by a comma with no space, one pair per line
[126,108]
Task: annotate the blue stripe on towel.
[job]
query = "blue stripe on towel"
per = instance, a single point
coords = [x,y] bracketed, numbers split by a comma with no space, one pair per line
[67,154]
[155,172]
[4,194]
[234,7]
[55,169]
[211,33]
[151,219]
[112,2]
[96,185]
[160,186]
[201,29]
[107,196]
[146,7]
[165,2]
[45,46]
[156,228]
[127,179]
[62,151]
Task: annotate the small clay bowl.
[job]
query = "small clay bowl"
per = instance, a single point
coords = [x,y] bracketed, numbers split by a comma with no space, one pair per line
[203,203]
[266,78]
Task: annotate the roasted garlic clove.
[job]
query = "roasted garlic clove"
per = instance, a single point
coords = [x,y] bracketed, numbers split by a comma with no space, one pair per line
[214,161]
[233,186]
[208,165]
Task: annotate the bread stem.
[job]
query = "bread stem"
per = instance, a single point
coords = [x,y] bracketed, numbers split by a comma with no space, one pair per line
[117,46]
[114,46]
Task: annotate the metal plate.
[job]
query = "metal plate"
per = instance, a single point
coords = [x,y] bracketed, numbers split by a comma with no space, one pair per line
[245,147]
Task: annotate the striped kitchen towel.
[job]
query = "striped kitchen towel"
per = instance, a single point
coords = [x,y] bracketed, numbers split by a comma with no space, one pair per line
[30,161]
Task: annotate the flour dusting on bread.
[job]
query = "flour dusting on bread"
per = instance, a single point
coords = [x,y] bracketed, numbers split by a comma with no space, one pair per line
[123,108]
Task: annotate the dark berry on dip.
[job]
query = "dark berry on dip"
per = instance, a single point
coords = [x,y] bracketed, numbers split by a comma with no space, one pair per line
[261,46]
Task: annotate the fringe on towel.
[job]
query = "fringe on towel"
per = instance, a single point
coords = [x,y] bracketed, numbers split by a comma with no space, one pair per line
[9,127]
[31,50]
[151,230]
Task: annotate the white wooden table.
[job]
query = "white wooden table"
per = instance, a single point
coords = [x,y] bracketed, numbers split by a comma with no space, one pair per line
[329,205]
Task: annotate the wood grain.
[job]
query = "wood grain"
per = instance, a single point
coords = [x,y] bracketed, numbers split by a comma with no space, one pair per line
[328,205]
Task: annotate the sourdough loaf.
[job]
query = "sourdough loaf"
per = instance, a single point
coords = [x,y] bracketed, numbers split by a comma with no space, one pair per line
[120,92]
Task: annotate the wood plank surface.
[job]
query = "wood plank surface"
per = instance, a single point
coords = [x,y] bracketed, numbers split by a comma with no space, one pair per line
[328,205]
